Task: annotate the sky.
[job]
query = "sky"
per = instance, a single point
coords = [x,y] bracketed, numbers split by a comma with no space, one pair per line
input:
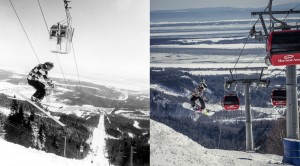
[186,4]
[111,38]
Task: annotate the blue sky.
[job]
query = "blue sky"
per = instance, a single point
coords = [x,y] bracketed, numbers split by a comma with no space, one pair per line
[111,38]
[185,4]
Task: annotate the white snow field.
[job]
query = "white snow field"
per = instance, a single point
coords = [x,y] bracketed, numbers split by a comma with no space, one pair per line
[169,148]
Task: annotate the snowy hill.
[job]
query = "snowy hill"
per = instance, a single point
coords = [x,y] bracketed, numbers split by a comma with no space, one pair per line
[171,148]
[15,155]
[124,117]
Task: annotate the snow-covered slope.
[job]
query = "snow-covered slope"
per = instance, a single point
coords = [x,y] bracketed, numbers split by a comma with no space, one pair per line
[16,155]
[171,148]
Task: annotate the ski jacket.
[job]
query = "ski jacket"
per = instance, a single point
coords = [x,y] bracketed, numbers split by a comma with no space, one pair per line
[198,92]
[37,72]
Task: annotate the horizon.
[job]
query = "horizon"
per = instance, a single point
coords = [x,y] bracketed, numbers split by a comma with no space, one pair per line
[157,5]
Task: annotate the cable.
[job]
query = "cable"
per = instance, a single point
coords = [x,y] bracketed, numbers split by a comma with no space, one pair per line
[247,42]
[49,33]
[43,16]
[76,65]
[241,51]
[61,70]
[295,7]
[280,71]
[24,31]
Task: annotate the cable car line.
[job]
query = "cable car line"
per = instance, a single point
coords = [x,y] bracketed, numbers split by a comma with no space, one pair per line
[61,70]
[76,66]
[24,31]
[48,33]
[67,21]
[246,42]
[43,16]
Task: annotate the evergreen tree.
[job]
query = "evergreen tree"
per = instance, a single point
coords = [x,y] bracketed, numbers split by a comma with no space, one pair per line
[32,116]
[14,124]
[14,106]
[55,145]
[2,131]
[20,119]
[35,136]
[42,137]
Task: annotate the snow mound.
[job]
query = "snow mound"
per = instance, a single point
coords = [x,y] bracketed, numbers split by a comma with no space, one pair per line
[168,147]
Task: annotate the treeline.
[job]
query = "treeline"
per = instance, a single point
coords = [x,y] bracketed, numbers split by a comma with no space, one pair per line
[128,142]
[267,135]
[27,126]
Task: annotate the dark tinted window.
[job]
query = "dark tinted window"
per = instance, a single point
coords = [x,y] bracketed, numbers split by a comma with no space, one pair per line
[286,42]
[279,95]
[231,100]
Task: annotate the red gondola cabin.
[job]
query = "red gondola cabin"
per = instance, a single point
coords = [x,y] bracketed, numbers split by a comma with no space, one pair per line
[278,97]
[231,102]
[283,47]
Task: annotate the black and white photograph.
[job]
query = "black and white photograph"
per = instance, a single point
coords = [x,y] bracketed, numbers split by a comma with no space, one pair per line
[74,82]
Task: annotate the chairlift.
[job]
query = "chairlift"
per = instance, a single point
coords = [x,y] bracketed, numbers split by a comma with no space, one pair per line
[231,102]
[61,38]
[278,97]
[283,47]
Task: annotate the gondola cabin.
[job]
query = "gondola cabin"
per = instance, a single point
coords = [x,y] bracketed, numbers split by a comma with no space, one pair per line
[283,47]
[231,102]
[60,39]
[278,97]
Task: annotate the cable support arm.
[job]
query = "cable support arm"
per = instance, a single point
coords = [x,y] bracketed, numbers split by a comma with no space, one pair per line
[68,15]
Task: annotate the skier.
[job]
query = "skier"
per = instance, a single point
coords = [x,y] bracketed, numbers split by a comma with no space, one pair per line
[33,80]
[199,94]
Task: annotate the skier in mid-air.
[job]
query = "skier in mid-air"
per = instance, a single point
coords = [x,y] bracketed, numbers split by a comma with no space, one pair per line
[199,94]
[34,80]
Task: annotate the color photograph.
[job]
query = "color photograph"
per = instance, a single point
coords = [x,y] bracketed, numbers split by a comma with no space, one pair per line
[223,82]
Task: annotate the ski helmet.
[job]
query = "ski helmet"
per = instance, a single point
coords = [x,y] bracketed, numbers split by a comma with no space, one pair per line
[48,65]
[203,85]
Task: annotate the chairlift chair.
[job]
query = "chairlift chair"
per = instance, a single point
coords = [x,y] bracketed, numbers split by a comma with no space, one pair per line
[278,97]
[231,102]
[61,38]
[283,47]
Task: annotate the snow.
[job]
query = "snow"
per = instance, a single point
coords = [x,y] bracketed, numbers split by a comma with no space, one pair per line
[213,46]
[136,125]
[28,156]
[220,72]
[164,90]
[16,155]
[97,155]
[5,111]
[122,111]
[131,135]
[134,84]
[204,65]
[214,21]
[168,147]
[196,33]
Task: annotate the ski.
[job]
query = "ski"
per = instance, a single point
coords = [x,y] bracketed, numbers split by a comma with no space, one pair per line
[48,105]
[41,109]
[14,98]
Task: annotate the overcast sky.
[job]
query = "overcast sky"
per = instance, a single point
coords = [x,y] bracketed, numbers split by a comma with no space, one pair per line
[186,4]
[111,38]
